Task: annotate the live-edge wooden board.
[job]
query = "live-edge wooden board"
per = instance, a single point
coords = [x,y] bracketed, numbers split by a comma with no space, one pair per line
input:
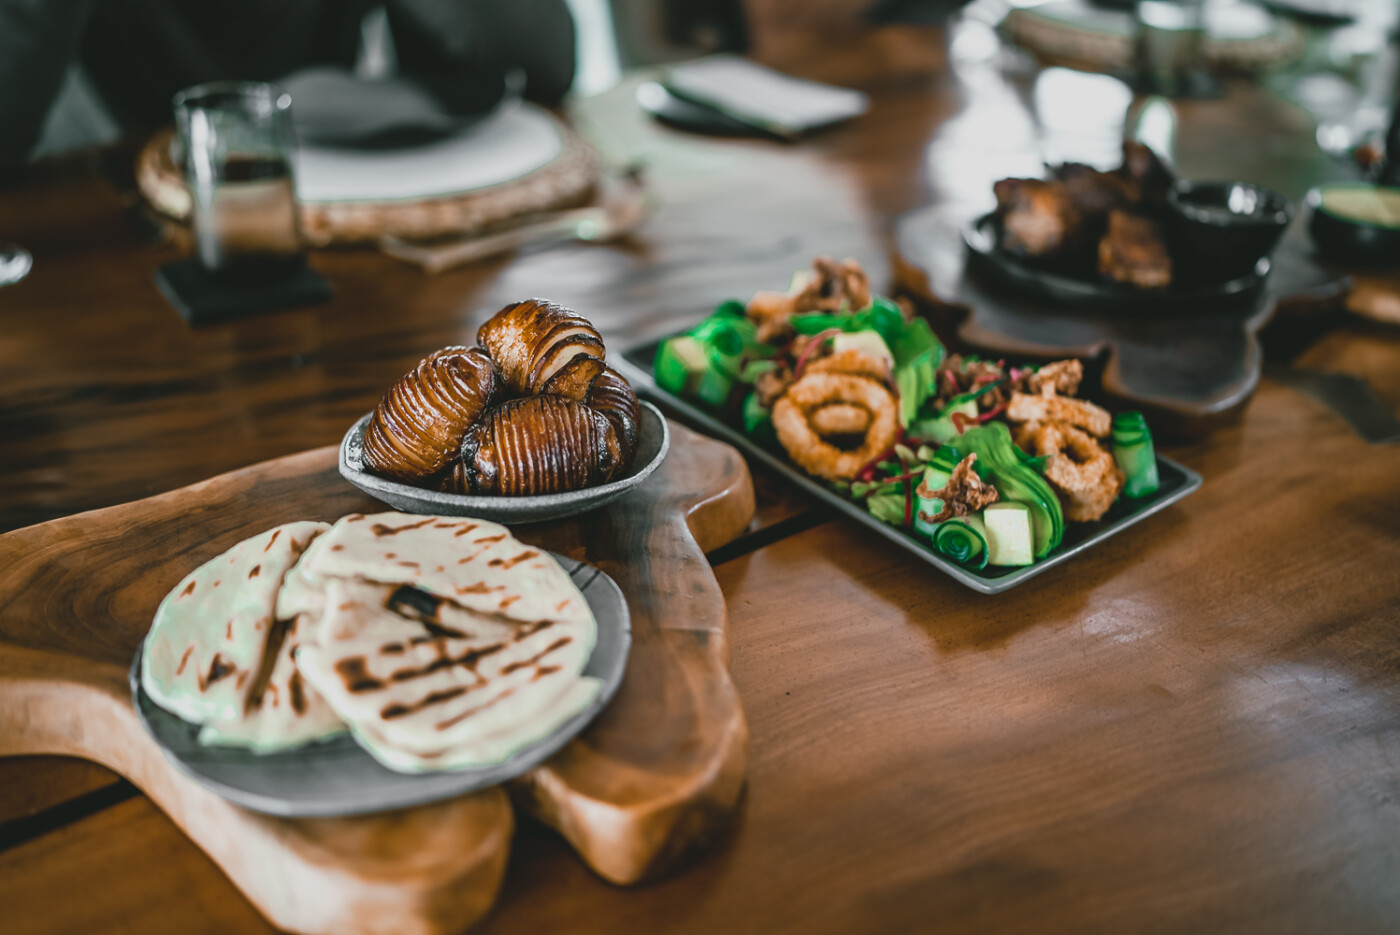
[655,778]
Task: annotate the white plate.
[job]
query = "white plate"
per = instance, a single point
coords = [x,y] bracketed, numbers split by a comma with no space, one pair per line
[514,141]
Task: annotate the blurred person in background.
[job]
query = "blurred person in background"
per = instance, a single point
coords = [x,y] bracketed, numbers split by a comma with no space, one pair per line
[81,72]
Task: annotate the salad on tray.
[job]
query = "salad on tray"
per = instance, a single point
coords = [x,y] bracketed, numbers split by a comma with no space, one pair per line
[984,461]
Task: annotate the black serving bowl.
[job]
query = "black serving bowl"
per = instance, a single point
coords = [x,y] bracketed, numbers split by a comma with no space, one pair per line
[1344,231]
[1219,230]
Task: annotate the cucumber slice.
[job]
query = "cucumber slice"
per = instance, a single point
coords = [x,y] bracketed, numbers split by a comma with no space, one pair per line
[964,540]
[799,281]
[682,366]
[1010,540]
[868,341]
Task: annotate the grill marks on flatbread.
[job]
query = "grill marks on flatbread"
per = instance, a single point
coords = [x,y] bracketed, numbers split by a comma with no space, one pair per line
[439,642]
[456,645]
[218,654]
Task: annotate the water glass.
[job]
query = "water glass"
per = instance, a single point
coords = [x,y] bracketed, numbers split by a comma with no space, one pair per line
[236,143]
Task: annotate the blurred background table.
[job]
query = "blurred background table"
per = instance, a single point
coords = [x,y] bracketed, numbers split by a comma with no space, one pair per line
[1194,727]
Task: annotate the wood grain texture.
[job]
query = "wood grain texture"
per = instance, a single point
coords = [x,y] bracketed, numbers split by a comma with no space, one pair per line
[645,787]
[109,397]
[659,773]
[1192,728]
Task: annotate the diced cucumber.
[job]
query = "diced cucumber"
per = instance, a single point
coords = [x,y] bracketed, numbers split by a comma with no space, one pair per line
[868,341]
[683,367]
[676,361]
[713,387]
[1009,537]
[799,281]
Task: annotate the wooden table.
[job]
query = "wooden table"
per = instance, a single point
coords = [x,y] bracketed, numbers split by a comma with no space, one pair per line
[1196,727]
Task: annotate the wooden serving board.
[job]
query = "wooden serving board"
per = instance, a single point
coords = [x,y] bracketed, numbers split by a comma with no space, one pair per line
[652,780]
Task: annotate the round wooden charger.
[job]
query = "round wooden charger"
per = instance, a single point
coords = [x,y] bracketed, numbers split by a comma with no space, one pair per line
[563,178]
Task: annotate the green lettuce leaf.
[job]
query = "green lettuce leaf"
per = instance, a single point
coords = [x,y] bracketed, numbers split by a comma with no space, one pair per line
[888,504]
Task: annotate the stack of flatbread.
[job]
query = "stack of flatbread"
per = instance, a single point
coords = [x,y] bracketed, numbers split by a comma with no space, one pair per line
[439,642]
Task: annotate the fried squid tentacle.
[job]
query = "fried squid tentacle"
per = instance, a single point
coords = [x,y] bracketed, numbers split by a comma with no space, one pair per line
[536,445]
[417,428]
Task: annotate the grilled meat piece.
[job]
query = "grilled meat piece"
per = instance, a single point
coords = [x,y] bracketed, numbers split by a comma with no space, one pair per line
[1146,173]
[418,426]
[1093,193]
[1037,217]
[536,445]
[1133,252]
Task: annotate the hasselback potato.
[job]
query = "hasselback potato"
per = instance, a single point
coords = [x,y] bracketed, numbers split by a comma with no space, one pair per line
[536,445]
[416,430]
[533,340]
[589,381]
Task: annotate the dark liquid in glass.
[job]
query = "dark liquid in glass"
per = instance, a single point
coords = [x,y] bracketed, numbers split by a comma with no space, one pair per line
[249,216]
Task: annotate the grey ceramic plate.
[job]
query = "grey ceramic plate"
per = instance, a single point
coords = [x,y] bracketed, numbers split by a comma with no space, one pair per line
[653,441]
[336,777]
[1178,481]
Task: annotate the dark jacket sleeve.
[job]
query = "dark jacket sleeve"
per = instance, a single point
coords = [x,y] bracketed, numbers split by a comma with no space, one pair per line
[38,40]
[463,49]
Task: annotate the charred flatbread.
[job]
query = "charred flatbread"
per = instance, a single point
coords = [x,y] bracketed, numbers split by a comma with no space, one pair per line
[439,642]
[444,642]
[218,655]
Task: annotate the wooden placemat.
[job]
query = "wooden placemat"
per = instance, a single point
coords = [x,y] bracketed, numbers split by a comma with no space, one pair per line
[567,181]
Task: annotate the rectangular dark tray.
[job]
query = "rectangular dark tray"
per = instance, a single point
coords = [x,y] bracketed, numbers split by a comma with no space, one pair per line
[1177,481]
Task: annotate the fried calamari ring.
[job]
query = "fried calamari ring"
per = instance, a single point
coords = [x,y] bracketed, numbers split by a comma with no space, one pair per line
[418,426]
[1084,475]
[1077,412]
[792,413]
[854,361]
[839,419]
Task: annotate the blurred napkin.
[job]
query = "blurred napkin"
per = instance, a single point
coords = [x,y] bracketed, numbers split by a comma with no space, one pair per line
[779,104]
[331,107]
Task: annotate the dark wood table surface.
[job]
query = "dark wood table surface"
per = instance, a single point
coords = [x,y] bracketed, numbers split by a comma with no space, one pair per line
[1195,727]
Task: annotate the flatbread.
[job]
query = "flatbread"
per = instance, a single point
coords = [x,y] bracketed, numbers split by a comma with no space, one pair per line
[206,656]
[442,642]
[439,642]
[474,564]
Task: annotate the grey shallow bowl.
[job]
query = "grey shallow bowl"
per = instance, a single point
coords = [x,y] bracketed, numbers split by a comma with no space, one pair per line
[337,777]
[653,441]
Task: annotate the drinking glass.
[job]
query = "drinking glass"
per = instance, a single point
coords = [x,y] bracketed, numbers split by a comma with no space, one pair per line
[236,141]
